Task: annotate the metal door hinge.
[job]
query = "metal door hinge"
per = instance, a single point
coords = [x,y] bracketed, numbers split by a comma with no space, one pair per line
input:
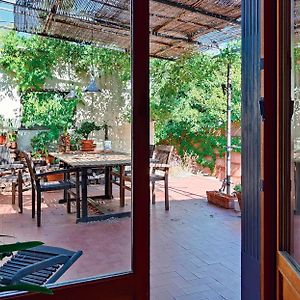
[292,107]
[262,108]
[262,63]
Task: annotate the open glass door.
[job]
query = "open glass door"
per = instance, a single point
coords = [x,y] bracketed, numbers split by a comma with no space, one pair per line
[120,281]
[288,255]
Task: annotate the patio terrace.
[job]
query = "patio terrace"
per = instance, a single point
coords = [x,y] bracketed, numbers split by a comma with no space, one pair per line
[195,247]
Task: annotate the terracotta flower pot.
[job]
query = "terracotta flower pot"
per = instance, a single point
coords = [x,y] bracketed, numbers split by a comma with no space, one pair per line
[239,196]
[220,199]
[87,145]
[13,145]
[2,139]
[49,160]
[55,177]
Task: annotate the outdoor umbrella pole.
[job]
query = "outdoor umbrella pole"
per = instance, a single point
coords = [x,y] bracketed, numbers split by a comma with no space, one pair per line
[228,148]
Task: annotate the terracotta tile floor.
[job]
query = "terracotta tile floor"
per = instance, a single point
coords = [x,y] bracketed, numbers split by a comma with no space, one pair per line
[195,247]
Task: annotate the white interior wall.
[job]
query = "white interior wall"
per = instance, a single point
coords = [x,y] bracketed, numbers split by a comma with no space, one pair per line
[10,106]
[111,105]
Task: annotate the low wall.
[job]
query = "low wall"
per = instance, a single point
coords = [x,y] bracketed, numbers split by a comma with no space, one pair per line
[220,167]
[24,138]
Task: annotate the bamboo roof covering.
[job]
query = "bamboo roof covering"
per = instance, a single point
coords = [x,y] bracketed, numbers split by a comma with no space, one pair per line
[176,26]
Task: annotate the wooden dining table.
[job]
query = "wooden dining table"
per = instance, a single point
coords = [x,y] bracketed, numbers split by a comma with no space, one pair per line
[82,162]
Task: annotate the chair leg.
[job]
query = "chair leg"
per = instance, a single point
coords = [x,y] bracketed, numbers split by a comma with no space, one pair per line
[68,202]
[167,206]
[14,187]
[122,188]
[153,192]
[39,208]
[33,203]
[20,192]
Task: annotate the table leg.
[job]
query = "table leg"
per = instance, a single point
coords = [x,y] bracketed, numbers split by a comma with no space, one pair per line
[108,183]
[65,191]
[84,193]
[122,190]
[77,194]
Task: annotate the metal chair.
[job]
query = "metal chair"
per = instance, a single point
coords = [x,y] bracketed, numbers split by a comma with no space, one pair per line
[39,265]
[13,172]
[38,187]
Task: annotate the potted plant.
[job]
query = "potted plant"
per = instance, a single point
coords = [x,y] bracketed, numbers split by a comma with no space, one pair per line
[238,192]
[2,131]
[12,139]
[75,140]
[11,135]
[85,130]
[220,199]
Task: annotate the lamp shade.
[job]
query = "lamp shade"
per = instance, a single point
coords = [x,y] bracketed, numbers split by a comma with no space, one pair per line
[71,94]
[92,87]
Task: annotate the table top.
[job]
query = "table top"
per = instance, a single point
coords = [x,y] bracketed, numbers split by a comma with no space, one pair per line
[93,159]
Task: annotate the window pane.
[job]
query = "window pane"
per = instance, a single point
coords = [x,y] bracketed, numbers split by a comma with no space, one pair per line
[67,103]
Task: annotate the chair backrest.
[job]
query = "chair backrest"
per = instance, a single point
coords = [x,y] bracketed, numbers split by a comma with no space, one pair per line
[38,265]
[31,168]
[163,153]
[5,158]
[151,150]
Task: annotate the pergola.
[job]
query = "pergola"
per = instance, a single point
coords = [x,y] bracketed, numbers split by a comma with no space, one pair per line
[176,26]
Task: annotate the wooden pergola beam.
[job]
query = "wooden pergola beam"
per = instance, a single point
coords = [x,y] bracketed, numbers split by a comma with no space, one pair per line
[198,11]
[51,15]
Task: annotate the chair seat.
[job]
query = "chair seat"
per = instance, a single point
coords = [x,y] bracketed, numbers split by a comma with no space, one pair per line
[13,178]
[57,185]
[156,177]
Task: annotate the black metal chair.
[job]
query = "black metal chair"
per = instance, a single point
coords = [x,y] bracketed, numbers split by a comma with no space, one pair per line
[38,187]
[39,265]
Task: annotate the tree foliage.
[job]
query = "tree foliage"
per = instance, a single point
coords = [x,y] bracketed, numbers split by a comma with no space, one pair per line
[187,101]
[188,104]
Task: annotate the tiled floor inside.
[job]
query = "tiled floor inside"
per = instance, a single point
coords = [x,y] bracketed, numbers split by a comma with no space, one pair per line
[195,247]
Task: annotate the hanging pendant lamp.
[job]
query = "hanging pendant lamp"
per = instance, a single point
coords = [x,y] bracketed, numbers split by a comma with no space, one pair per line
[72,94]
[92,86]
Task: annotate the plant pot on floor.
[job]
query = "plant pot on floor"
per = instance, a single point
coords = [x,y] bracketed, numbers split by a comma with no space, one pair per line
[239,196]
[220,199]
[55,177]
[87,145]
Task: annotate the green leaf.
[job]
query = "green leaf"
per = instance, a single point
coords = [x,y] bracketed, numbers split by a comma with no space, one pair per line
[19,246]
[27,288]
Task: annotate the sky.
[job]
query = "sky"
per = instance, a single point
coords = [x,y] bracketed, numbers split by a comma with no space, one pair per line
[6,17]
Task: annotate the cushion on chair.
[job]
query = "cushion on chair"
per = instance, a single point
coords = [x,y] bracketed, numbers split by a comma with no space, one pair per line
[57,185]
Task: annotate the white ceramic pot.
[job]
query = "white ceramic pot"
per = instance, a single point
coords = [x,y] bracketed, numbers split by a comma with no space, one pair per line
[107,145]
